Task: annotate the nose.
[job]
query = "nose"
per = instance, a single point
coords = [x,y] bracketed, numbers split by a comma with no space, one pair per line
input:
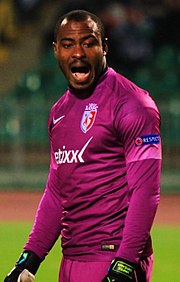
[78,52]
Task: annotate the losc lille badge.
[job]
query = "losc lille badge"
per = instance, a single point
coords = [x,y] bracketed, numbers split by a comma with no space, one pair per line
[88,117]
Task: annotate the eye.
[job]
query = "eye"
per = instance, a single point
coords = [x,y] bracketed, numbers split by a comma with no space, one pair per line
[88,44]
[67,45]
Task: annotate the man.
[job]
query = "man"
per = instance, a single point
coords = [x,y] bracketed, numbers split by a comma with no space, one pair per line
[103,186]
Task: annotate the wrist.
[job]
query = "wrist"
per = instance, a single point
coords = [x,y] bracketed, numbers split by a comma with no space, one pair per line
[28,260]
[120,270]
[120,267]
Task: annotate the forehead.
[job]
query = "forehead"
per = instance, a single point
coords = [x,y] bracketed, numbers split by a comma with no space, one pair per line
[73,28]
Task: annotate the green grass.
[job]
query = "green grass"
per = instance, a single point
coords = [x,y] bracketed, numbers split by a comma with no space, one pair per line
[165,240]
[13,237]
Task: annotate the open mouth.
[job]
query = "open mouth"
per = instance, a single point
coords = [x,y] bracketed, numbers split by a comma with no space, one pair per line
[80,73]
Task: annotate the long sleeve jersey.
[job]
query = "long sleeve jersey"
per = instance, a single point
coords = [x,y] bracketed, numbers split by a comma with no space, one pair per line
[103,186]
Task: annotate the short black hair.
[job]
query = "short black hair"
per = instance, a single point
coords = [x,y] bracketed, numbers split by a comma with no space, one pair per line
[78,16]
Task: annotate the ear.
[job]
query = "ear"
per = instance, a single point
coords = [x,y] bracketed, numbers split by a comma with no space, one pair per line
[105,46]
[55,48]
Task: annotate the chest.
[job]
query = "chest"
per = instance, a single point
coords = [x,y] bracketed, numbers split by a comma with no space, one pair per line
[83,131]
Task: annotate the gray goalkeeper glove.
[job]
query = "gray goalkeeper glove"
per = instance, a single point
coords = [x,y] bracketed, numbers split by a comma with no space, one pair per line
[28,261]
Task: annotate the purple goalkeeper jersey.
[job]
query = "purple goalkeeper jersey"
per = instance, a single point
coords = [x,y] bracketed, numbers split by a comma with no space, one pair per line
[103,186]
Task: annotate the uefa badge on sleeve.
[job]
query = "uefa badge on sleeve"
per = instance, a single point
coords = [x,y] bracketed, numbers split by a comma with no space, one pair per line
[148,139]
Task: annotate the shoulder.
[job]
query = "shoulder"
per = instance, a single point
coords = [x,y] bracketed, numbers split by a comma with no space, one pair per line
[59,102]
[128,96]
[124,88]
[55,108]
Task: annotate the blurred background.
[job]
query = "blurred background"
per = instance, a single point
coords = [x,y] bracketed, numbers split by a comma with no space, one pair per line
[144,45]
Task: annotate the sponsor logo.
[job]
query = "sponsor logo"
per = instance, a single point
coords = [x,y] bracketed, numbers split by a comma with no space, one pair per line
[147,139]
[110,247]
[88,117]
[63,156]
[57,119]
[122,267]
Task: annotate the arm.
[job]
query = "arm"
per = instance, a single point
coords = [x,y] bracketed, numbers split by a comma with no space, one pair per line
[143,163]
[144,182]
[47,224]
[142,209]
[45,231]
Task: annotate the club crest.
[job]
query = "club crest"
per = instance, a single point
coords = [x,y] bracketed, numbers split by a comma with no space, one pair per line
[88,117]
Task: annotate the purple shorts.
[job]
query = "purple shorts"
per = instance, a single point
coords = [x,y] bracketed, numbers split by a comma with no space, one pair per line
[79,271]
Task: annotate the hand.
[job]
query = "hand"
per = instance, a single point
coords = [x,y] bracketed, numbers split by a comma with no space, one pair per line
[29,261]
[120,271]
[110,278]
[26,276]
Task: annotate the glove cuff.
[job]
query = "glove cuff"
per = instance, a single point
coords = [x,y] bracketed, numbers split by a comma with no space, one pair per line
[28,260]
[121,267]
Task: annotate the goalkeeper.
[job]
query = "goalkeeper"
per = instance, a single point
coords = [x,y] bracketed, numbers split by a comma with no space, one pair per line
[103,187]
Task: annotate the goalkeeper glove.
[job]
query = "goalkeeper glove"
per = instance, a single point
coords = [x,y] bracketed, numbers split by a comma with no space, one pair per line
[28,260]
[120,271]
